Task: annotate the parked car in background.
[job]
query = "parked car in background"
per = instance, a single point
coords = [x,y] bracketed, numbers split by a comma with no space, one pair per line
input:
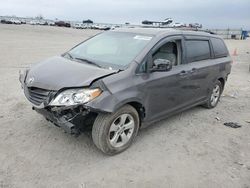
[23,21]
[78,26]
[147,22]
[195,25]
[62,24]
[167,21]
[87,26]
[178,25]
[94,26]
[100,27]
[5,21]
[51,23]
[42,22]
[115,27]
[15,21]
[33,22]
[87,21]
[119,81]
[104,27]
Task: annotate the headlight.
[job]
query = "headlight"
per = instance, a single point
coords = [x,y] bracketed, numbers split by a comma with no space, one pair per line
[75,96]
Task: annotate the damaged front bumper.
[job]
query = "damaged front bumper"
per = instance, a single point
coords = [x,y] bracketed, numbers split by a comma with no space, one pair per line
[72,121]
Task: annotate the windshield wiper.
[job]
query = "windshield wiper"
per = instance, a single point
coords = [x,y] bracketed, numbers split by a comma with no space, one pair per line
[68,54]
[88,61]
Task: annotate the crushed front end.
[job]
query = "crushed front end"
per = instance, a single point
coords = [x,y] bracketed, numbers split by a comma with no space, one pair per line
[73,119]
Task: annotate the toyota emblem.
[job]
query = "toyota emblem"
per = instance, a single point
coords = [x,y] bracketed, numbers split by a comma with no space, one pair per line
[31,80]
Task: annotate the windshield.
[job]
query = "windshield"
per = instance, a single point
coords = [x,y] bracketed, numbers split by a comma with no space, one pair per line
[111,49]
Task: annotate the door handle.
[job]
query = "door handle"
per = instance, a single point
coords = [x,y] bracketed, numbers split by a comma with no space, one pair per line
[193,70]
[183,73]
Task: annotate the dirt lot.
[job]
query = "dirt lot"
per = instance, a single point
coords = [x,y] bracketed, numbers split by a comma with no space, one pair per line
[192,149]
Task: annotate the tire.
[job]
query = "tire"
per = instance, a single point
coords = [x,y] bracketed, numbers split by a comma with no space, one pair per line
[114,133]
[210,103]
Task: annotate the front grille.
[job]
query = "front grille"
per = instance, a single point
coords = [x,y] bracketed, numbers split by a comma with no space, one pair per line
[36,95]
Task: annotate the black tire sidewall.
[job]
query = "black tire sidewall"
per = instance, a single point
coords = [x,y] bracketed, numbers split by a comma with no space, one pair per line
[209,105]
[105,145]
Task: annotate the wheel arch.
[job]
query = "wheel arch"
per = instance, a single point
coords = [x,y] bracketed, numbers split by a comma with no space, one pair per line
[222,81]
[139,107]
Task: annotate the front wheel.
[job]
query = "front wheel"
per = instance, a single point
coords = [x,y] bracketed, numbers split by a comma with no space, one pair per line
[214,95]
[113,133]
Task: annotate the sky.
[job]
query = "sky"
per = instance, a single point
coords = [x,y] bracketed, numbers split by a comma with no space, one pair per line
[210,13]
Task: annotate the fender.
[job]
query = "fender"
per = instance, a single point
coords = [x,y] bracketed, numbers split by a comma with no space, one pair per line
[109,103]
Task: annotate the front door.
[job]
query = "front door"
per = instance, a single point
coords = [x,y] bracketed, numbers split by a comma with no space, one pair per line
[169,91]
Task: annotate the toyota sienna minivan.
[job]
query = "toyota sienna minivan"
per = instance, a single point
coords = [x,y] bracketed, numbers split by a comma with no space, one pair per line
[119,81]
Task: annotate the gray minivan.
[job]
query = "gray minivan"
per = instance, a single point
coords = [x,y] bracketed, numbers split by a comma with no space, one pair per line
[121,80]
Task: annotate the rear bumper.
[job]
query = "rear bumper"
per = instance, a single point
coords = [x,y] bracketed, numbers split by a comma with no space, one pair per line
[70,121]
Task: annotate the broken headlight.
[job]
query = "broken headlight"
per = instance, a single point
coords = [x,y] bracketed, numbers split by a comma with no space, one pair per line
[75,96]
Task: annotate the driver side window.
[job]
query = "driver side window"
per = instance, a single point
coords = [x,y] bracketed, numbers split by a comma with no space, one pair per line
[169,51]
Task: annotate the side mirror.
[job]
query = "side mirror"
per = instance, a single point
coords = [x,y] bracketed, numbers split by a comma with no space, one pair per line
[161,65]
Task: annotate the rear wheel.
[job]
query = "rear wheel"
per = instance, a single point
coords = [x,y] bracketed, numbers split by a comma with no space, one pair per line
[214,95]
[113,133]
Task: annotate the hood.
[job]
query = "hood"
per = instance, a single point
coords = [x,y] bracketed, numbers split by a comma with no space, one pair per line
[58,72]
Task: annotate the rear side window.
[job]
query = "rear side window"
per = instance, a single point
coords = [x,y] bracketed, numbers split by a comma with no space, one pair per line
[220,49]
[197,50]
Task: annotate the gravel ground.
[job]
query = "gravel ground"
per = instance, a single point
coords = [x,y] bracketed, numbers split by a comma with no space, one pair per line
[191,149]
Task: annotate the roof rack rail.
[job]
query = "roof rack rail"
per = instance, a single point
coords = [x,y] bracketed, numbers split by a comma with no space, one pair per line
[195,29]
[182,28]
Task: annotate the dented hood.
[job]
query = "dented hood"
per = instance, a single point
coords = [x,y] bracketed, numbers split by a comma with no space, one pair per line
[58,72]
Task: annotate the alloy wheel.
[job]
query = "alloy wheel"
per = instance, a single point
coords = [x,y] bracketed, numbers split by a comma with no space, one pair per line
[215,95]
[121,130]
